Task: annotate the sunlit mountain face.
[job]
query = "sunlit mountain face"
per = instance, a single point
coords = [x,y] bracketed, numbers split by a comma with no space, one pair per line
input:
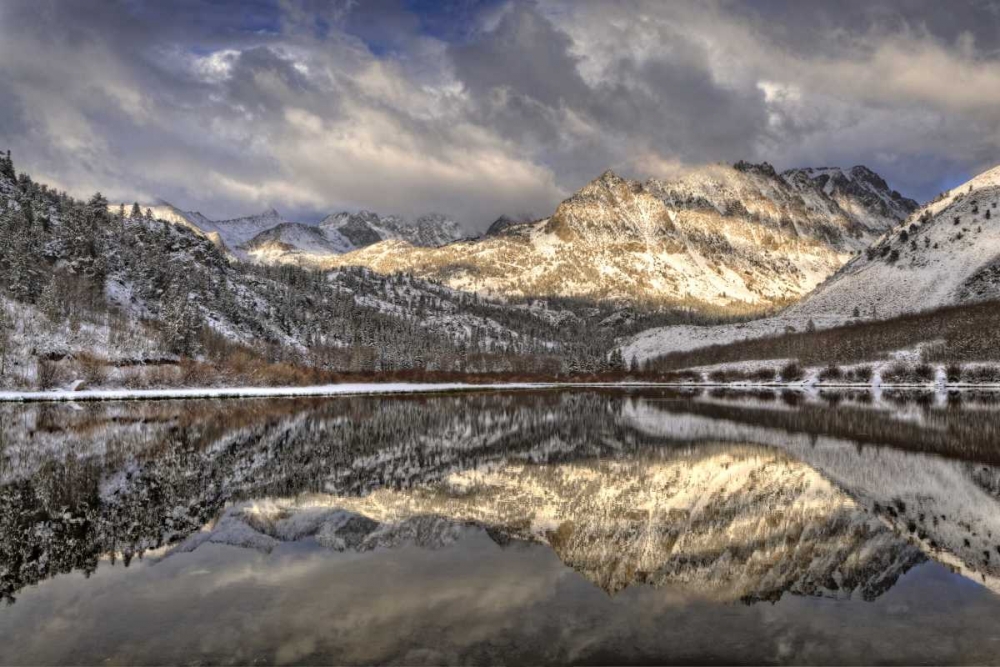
[705,499]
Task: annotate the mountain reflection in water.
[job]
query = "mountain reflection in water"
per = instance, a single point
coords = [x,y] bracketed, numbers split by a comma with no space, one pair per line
[721,497]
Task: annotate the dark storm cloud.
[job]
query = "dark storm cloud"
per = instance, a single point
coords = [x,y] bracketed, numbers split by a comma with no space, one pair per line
[480,108]
[524,79]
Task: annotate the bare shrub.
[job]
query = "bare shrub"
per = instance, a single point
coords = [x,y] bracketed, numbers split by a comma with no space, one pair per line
[861,374]
[899,373]
[762,375]
[831,373]
[721,376]
[683,376]
[924,372]
[46,373]
[954,373]
[983,375]
[93,371]
[792,372]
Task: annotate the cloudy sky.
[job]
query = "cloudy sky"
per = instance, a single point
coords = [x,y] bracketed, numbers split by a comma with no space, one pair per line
[482,108]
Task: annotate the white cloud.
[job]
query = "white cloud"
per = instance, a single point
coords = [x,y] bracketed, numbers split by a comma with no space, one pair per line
[529,102]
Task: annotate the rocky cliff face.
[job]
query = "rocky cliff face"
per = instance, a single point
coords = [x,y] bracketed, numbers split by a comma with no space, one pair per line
[859,191]
[719,236]
[366,228]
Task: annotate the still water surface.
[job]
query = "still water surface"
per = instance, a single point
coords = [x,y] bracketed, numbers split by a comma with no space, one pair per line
[589,526]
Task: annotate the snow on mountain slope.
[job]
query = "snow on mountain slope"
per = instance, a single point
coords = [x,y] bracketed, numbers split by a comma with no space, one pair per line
[720,235]
[234,233]
[337,233]
[504,222]
[683,337]
[296,243]
[365,228]
[163,210]
[859,191]
[946,253]
[227,234]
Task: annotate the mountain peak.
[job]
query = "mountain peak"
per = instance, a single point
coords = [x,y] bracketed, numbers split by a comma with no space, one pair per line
[505,222]
[764,168]
[608,180]
[366,228]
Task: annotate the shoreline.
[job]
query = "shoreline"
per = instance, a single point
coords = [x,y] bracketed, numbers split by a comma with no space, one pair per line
[402,388]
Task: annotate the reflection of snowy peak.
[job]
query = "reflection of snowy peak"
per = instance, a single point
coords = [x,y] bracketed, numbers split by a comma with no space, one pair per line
[946,253]
[735,498]
[747,525]
[365,228]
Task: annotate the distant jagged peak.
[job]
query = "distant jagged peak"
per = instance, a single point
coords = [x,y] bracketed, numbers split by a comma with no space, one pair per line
[365,228]
[269,215]
[859,190]
[763,168]
[505,222]
[608,181]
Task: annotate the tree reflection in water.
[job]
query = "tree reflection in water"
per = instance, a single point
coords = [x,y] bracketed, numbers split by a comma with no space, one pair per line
[739,495]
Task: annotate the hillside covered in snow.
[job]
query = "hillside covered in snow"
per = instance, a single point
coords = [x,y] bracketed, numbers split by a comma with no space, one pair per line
[267,238]
[102,295]
[946,253]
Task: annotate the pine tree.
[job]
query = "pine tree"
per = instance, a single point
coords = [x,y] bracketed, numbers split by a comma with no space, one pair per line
[136,211]
[7,167]
[48,302]
[6,327]
[180,322]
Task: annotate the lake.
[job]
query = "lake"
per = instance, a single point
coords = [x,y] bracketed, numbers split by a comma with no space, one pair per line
[578,526]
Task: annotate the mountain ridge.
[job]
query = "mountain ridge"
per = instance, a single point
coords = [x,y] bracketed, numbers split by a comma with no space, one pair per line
[945,253]
[720,235]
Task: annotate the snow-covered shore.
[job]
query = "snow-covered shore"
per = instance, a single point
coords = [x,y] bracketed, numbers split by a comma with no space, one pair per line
[259,392]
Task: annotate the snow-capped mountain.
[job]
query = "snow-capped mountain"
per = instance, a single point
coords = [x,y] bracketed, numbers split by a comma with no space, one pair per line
[859,191]
[294,242]
[506,221]
[720,236]
[163,210]
[946,253]
[166,283]
[234,233]
[365,228]
[227,234]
